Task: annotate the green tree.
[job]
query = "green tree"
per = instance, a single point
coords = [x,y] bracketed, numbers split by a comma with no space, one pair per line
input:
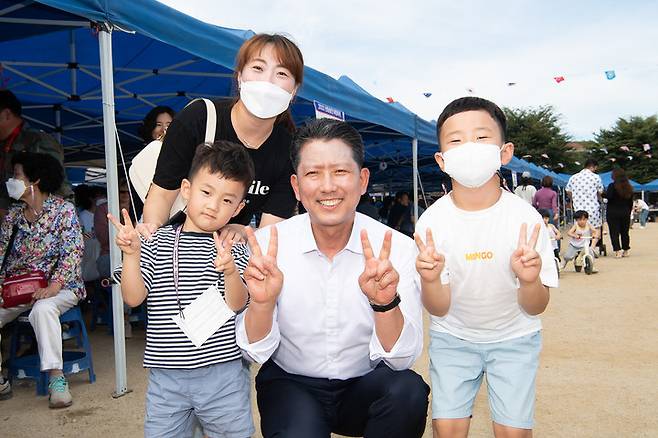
[538,137]
[623,145]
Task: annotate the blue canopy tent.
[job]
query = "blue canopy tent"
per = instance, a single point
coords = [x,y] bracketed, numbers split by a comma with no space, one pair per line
[58,57]
[651,186]
[606,178]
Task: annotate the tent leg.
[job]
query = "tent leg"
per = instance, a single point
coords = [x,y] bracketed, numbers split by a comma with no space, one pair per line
[107,86]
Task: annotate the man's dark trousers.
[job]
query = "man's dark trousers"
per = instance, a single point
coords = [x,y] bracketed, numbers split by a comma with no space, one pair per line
[383,403]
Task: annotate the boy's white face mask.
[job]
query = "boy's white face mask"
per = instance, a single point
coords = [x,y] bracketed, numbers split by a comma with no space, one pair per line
[472,164]
[264,99]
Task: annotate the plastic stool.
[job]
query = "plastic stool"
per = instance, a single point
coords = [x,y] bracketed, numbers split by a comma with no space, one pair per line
[73,361]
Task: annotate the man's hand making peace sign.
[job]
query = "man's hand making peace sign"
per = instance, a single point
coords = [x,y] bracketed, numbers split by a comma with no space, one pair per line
[263,277]
[379,280]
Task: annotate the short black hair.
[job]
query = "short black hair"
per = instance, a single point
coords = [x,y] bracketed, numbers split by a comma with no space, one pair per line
[41,167]
[472,103]
[151,119]
[581,214]
[327,129]
[545,213]
[83,196]
[591,162]
[229,159]
[8,100]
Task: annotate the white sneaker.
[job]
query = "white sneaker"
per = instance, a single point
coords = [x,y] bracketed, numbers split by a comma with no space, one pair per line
[5,389]
[60,396]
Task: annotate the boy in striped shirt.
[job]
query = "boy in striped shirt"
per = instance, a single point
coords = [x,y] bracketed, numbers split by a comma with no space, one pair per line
[170,271]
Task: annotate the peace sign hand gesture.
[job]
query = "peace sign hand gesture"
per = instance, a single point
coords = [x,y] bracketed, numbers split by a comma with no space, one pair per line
[127,238]
[429,262]
[379,280]
[525,261]
[224,261]
[262,275]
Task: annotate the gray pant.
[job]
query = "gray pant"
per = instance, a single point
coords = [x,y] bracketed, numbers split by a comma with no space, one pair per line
[571,252]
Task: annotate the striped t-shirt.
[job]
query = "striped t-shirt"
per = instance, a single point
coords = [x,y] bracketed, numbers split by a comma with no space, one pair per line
[166,344]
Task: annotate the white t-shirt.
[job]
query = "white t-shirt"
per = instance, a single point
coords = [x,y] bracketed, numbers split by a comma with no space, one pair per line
[526,193]
[484,290]
[87,221]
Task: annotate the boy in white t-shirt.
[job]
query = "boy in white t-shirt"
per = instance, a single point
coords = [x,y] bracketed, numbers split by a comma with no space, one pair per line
[485,268]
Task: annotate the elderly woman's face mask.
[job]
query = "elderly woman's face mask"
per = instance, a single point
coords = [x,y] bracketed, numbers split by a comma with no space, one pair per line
[15,188]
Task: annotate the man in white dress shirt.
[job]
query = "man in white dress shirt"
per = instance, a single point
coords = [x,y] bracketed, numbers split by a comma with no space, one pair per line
[335,313]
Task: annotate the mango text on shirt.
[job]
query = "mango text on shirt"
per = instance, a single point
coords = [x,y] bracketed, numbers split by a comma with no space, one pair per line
[482,255]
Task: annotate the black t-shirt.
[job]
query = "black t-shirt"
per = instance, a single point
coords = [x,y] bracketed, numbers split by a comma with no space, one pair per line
[270,191]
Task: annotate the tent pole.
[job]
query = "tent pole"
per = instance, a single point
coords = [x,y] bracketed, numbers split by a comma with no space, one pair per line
[58,125]
[414,150]
[107,86]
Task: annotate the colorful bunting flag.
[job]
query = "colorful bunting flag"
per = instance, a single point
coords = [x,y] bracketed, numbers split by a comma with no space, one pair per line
[545,156]
[630,158]
[610,74]
[613,159]
[558,79]
[577,162]
[527,156]
[390,100]
[625,148]
[646,147]
[604,150]
[560,165]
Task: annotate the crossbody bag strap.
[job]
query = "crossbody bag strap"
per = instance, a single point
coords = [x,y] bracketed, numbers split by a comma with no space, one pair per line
[10,247]
[211,121]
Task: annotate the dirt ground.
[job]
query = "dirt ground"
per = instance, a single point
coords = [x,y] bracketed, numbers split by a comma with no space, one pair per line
[598,374]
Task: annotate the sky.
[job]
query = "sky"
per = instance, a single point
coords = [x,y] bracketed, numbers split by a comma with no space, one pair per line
[404,49]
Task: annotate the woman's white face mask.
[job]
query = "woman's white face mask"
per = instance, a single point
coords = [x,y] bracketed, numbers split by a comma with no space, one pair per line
[472,164]
[15,188]
[264,99]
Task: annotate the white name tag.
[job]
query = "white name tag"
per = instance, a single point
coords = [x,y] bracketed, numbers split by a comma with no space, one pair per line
[204,316]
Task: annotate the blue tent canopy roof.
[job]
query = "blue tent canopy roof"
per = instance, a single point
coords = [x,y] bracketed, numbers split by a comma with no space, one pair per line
[164,57]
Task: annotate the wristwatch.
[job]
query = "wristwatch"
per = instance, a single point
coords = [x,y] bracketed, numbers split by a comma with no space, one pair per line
[386,307]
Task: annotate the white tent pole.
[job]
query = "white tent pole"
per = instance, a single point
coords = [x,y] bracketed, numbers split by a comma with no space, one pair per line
[414,151]
[107,85]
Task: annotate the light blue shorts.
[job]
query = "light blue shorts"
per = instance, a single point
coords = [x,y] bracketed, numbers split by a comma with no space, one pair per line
[216,396]
[457,367]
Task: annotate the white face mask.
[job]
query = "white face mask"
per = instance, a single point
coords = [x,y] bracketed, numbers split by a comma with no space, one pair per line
[264,99]
[15,188]
[472,164]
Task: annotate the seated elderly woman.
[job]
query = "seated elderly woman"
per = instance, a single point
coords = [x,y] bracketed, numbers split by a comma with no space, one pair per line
[48,238]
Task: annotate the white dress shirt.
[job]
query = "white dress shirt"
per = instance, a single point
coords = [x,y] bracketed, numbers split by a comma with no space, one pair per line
[323,325]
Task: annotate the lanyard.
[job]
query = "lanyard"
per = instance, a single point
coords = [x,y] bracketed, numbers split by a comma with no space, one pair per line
[176,240]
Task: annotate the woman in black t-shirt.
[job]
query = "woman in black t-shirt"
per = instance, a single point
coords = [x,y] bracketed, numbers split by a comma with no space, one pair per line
[269,71]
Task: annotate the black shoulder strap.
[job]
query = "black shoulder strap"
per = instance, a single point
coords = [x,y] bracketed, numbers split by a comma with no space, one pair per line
[10,246]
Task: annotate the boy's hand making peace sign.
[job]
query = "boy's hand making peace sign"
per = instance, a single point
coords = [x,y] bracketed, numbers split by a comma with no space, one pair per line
[379,280]
[262,275]
[127,238]
[429,262]
[224,261]
[525,260]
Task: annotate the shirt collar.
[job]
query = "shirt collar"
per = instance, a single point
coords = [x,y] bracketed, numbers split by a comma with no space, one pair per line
[307,242]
